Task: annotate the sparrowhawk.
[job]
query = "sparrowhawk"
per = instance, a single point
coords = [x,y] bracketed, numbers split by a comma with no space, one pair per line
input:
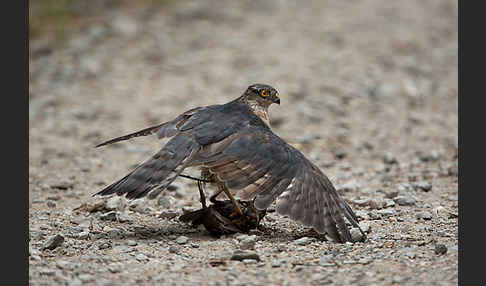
[235,148]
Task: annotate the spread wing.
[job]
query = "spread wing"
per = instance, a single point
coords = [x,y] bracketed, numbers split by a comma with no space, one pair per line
[259,165]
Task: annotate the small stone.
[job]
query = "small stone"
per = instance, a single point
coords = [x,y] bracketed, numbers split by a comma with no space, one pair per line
[453,171]
[53,242]
[302,241]
[324,261]
[389,159]
[397,279]
[75,282]
[248,261]
[164,202]
[356,235]
[389,203]
[104,245]
[111,216]
[248,242]
[339,153]
[111,232]
[124,217]
[86,277]
[350,186]
[173,249]
[377,204]
[430,156]
[114,268]
[168,215]
[51,204]
[410,254]
[62,185]
[83,235]
[362,203]
[132,243]
[182,240]
[141,257]
[405,200]
[365,227]
[63,264]
[426,215]
[423,185]
[362,214]
[440,249]
[276,263]
[386,212]
[47,271]
[244,254]
[115,203]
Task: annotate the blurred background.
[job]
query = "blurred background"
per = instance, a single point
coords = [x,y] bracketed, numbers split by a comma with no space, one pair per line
[369,92]
[356,75]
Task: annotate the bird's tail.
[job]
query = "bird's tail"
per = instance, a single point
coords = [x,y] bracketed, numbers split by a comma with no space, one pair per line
[156,174]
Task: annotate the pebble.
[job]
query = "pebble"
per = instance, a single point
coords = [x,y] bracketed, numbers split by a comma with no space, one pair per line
[386,212]
[248,242]
[104,245]
[132,243]
[63,264]
[86,277]
[62,185]
[111,216]
[51,204]
[339,153]
[164,202]
[276,263]
[429,156]
[362,214]
[362,202]
[426,215]
[115,203]
[245,254]
[399,279]
[356,235]
[423,185]
[124,217]
[440,249]
[141,257]
[388,158]
[83,235]
[173,249]
[182,240]
[53,242]
[303,241]
[377,204]
[365,227]
[405,200]
[350,186]
[325,260]
[75,282]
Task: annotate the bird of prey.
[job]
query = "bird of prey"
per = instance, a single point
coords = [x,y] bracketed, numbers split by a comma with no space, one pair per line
[237,151]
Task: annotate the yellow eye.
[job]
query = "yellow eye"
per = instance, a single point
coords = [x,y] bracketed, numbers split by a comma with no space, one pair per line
[265,93]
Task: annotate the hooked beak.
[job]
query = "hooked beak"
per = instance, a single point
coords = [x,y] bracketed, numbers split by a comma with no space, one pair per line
[277,101]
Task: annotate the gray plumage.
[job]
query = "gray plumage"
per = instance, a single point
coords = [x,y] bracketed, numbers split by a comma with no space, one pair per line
[234,142]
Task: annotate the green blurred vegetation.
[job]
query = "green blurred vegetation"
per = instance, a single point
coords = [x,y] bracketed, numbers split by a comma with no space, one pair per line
[57,17]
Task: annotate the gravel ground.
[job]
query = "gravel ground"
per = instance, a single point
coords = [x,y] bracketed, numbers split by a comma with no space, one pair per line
[369,93]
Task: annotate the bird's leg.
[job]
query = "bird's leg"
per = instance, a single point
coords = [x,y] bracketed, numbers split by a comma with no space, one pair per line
[223,188]
[201,193]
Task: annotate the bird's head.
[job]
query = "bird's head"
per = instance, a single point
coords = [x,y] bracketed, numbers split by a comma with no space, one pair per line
[262,93]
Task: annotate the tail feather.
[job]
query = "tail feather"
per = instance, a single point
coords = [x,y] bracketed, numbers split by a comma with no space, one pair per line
[144,132]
